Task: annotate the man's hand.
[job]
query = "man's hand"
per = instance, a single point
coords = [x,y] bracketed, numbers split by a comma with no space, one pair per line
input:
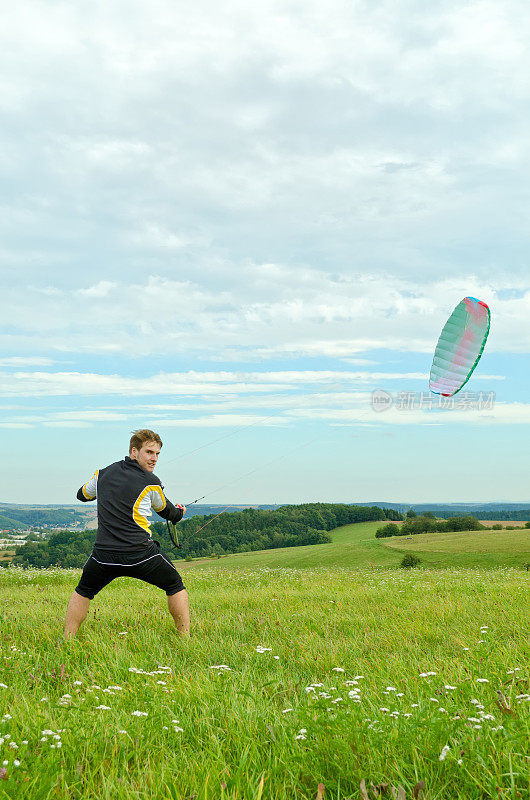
[179,505]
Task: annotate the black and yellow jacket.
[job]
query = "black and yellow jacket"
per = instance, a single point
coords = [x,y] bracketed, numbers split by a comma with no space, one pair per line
[126,493]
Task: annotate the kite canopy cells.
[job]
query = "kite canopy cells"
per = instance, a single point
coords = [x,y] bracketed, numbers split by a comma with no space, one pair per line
[460,346]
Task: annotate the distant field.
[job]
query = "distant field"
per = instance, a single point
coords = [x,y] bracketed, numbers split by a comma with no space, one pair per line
[355,546]
[493,542]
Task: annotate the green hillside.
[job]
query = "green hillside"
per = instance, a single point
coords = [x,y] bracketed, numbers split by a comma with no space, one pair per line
[7,522]
[356,546]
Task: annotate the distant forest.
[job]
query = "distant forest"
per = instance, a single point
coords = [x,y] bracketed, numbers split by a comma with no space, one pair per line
[236,532]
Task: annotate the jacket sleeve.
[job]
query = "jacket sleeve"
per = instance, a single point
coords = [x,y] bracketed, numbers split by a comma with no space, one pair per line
[89,490]
[164,507]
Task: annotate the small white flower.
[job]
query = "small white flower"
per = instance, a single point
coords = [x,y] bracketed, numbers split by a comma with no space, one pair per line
[482,680]
[433,700]
[3,686]
[7,716]
[161,683]
[139,713]
[25,741]
[116,688]
[391,689]
[16,763]
[78,683]
[449,688]
[5,763]
[459,762]
[122,633]
[444,752]
[465,648]
[105,708]
[286,710]
[13,745]
[385,710]
[178,730]
[337,669]
[277,658]
[122,731]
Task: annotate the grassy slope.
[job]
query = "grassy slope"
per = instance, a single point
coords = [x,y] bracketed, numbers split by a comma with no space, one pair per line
[356,546]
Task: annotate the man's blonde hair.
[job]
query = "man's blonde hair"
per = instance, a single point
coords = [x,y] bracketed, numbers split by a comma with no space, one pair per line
[142,436]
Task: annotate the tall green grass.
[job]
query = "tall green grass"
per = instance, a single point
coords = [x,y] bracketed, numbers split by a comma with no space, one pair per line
[266,700]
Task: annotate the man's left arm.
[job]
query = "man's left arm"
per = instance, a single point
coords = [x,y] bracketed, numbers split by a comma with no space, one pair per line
[164,507]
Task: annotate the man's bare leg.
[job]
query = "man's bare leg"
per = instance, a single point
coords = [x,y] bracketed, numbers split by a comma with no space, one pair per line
[75,614]
[179,609]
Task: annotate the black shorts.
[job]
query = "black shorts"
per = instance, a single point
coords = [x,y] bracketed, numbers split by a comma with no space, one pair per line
[152,566]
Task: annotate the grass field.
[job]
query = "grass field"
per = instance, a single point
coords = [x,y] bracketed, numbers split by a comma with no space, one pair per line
[356,546]
[295,676]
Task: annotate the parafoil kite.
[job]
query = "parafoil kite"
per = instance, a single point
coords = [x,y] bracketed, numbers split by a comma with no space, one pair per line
[460,346]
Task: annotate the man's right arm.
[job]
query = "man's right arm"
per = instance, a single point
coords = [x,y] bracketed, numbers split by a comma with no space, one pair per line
[88,490]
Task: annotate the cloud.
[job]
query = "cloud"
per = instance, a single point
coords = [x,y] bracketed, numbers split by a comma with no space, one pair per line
[272,312]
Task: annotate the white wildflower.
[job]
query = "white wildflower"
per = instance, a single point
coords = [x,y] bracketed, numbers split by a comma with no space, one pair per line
[139,713]
[337,669]
[482,680]
[444,752]
[105,708]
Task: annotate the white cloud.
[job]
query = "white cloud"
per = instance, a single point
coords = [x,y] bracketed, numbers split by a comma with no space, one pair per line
[273,311]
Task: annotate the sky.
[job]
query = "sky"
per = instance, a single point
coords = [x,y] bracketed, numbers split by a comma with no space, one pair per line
[233,224]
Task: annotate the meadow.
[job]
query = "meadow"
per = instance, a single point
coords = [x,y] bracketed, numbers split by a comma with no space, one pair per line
[304,669]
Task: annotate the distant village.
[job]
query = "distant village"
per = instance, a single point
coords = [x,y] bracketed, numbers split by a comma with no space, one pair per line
[14,537]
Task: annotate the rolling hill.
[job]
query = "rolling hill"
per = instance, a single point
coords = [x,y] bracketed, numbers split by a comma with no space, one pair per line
[356,546]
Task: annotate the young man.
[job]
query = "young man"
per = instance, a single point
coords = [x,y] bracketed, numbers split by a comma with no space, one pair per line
[126,492]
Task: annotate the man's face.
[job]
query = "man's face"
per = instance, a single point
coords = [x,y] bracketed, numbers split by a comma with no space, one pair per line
[147,456]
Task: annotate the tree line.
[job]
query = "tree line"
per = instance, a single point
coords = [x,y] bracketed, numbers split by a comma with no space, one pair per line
[427,523]
[236,532]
